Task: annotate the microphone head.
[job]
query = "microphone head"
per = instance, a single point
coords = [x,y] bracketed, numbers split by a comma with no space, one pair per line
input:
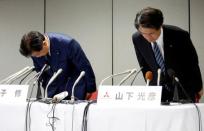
[171,73]
[59,71]
[60,96]
[149,75]
[44,67]
[159,71]
[82,73]
[134,70]
[47,68]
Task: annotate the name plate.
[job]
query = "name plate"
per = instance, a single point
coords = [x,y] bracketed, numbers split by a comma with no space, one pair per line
[13,93]
[137,95]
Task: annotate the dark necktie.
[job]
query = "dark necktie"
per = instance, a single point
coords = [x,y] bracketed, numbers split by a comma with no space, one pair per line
[47,59]
[158,56]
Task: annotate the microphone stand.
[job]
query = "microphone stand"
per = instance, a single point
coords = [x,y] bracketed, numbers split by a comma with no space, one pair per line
[125,78]
[111,76]
[184,91]
[55,75]
[137,73]
[13,76]
[28,71]
[75,83]
[175,95]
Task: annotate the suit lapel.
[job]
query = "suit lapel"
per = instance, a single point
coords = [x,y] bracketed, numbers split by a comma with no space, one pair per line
[165,40]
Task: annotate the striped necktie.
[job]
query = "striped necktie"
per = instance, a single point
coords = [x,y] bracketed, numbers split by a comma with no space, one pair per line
[158,56]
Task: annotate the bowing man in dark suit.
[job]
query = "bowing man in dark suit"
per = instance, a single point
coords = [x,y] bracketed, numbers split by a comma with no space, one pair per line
[59,51]
[176,52]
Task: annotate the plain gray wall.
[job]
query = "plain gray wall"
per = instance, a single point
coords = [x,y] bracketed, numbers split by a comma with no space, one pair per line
[16,18]
[197,28]
[105,38]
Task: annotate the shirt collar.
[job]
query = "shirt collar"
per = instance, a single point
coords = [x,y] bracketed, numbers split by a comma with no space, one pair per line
[49,53]
[159,41]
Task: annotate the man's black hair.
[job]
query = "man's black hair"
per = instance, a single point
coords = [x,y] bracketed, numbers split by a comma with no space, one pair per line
[149,18]
[32,41]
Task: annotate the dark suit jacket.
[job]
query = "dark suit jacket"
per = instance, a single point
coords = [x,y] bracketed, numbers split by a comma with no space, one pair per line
[179,54]
[67,54]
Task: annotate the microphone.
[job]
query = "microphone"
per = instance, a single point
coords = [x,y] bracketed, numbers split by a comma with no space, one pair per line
[148,77]
[55,75]
[58,97]
[122,73]
[136,75]
[26,72]
[171,74]
[13,76]
[44,68]
[125,78]
[20,82]
[75,83]
[158,76]
[30,79]
[38,74]
[175,83]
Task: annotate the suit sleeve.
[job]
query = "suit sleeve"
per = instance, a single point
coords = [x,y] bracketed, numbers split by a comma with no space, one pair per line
[194,74]
[140,58]
[80,60]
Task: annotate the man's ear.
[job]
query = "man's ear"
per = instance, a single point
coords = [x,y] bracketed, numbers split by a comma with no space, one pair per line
[44,43]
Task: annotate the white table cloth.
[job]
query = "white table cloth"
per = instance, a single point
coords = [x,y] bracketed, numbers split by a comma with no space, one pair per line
[101,117]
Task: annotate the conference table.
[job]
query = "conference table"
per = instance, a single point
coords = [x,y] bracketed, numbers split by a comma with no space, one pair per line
[40,116]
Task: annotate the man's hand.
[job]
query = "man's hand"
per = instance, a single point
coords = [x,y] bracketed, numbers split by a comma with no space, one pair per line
[88,95]
[199,95]
[92,96]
